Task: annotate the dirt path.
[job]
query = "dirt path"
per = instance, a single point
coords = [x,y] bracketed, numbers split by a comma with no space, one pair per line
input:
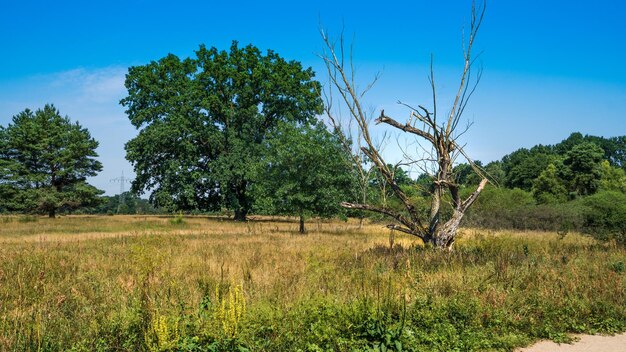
[587,343]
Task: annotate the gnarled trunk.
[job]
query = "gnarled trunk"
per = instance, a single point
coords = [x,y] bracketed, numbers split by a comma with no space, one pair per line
[445,236]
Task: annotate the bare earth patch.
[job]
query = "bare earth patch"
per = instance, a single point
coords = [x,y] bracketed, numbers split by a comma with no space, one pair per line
[587,343]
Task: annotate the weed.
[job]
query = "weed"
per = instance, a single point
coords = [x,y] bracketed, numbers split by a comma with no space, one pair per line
[162,334]
[230,310]
[178,219]
[618,267]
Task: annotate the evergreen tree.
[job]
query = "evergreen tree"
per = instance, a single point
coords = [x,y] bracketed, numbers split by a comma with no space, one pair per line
[44,162]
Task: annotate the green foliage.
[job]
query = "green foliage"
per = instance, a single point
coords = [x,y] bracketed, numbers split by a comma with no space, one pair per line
[465,175]
[523,166]
[548,187]
[613,178]
[564,179]
[179,219]
[577,160]
[605,215]
[495,172]
[305,172]
[502,208]
[204,122]
[44,162]
[618,267]
[614,148]
[583,168]
[380,192]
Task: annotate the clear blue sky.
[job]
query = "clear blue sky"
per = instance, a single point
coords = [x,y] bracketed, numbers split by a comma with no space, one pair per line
[550,67]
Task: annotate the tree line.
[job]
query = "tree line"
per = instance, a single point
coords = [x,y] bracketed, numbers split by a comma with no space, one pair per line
[239,131]
[234,130]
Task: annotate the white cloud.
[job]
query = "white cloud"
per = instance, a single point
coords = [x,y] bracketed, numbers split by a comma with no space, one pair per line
[99,86]
[90,96]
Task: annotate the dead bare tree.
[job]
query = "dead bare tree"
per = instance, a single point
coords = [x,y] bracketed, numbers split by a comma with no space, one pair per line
[440,135]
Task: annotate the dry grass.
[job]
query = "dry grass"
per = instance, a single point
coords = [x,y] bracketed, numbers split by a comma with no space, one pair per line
[68,281]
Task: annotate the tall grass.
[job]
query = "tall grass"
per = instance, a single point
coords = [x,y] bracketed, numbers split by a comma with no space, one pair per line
[219,285]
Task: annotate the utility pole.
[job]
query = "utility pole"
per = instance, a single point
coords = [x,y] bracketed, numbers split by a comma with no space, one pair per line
[121,180]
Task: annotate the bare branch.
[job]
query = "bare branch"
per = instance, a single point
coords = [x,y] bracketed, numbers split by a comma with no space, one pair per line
[476,21]
[439,152]
[468,202]
[386,211]
[405,230]
[406,127]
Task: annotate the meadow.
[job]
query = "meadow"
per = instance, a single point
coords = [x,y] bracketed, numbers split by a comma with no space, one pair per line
[148,283]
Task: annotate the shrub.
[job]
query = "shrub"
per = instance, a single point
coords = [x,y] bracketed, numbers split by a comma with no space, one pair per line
[605,216]
[178,219]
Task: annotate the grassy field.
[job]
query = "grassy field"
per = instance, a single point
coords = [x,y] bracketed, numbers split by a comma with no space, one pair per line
[124,283]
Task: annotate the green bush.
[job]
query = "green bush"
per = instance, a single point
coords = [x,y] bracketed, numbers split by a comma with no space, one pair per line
[605,216]
[502,208]
[178,219]
[602,215]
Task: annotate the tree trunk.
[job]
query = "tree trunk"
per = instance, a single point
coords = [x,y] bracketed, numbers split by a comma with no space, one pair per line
[240,214]
[301,224]
[52,213]
[445,235]
[242,207]
[443,239]
[441,135]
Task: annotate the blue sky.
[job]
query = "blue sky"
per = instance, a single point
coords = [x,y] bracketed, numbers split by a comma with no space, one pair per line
[550,67]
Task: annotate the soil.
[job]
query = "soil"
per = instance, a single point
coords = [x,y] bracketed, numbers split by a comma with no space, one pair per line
[584,343]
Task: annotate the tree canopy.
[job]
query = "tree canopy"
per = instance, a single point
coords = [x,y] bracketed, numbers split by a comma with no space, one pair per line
[567,169]
[306,172]
[44,162]
[203,122]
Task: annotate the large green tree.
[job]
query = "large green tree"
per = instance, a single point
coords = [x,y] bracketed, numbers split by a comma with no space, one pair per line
[203,122]
[44,162]
[583,169]
[548,187]
[305,172]
[613,178]
[614,148]
[523,166]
